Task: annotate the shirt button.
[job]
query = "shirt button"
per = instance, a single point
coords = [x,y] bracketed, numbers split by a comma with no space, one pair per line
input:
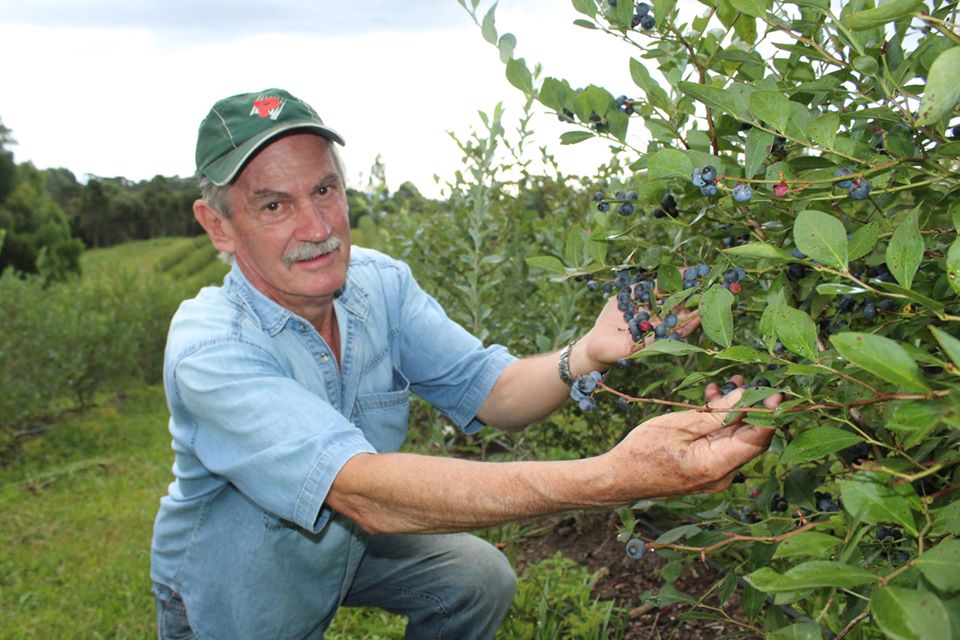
[302,327]
[324,357]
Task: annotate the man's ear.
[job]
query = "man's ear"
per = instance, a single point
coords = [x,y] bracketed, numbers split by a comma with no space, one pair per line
[217,227]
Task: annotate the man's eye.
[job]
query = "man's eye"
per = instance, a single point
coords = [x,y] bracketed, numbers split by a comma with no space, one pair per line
[323,190]
[273,206]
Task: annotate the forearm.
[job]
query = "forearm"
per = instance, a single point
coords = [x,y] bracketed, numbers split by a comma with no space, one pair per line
[531,389]
[408,493]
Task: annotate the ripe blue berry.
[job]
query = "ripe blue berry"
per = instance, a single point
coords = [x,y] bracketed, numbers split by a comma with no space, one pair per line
[625,209]
[647,22]
[697,178]
[642,9]
[603,207]
[709,173]
[839,173]
[670,321]
[709,190]
[860,191]
[742,192]
[636,548]
[599,196]
[869,311]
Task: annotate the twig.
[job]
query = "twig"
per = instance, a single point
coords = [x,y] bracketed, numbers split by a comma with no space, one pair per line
[850,625]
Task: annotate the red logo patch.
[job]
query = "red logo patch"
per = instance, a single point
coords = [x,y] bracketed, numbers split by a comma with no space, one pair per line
[267,107]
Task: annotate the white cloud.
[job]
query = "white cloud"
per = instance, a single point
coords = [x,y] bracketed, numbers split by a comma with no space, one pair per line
[127,101]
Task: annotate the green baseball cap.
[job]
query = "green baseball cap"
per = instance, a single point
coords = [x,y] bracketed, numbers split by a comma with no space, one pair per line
[239,125]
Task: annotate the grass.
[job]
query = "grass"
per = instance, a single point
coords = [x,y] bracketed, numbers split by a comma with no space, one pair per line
[76,515]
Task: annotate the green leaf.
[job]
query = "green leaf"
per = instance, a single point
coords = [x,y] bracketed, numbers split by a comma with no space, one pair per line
[821,237]
[573,137]
[670,163]
[863,241]
[713,97]
[716,317]
[488,29]
[950,345]
[808,543]
[905,251]
[907,614]
[760,251]
[547,263]
[796,331]
[941,565]
[508,42]
[772,107]
[810,575]
[875,499]
[933,305]
[759,143]
[882,357]
[816,443]
[838,289]
[574,245]
[654,92]
[749,7]
[518,75]
[586,7]
[953,266]
[947,519]
[943,87]
[887,12]
[824,129]
[798,631]
[668,347]
[741,353]
[867,65]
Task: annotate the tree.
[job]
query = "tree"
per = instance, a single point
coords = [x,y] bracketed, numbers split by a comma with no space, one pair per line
[798,185]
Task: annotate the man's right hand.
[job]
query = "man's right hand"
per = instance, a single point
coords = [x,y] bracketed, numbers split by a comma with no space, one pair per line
[688,451]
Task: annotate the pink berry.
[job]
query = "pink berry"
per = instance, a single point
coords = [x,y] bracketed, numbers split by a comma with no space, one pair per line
[781,189]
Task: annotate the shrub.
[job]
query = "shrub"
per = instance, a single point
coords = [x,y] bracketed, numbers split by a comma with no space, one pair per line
[806,154]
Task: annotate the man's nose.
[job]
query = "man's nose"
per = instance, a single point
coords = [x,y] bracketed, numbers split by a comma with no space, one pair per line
[313,221]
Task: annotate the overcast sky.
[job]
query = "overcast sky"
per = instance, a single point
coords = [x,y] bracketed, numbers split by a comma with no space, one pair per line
[118,87]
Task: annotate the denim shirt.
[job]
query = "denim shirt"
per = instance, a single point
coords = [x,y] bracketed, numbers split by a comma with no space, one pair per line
[263,419]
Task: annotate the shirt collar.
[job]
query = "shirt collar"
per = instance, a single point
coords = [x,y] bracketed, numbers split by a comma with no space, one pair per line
[273,316]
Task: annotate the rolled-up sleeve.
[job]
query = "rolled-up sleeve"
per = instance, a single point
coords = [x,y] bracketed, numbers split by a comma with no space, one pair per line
[446,364]
[248,422]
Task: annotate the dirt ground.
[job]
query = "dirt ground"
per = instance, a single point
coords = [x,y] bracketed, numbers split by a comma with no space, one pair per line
[590,539]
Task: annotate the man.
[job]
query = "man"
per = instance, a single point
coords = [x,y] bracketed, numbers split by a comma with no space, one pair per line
[288,389]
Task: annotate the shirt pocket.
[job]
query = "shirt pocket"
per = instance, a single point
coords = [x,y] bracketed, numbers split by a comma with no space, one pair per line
[383,417]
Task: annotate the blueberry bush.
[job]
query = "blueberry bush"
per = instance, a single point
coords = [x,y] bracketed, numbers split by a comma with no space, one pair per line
[792,171]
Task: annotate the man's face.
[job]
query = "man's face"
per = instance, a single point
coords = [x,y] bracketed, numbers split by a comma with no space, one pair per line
[289,229]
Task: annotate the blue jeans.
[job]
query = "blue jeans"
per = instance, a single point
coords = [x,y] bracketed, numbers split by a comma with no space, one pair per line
[450,587]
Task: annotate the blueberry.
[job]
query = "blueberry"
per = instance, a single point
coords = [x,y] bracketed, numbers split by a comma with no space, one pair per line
[625,209]
[603,207]
[586,384]
[709,173]
[697,178]
[632,195]
[647,22]
[728,388]
[670,321]
[869,311]
[642,9]
[659,213]
[623,404]
[839,173]
[882,532]
[607,287]
[620,195]
[709,190]
[636,548]
[676,335]
[623,363]
[742,193]
[860,191]
[796,271]
[780,506]
[599,196]
[587,404]
[660,331]
[642,316]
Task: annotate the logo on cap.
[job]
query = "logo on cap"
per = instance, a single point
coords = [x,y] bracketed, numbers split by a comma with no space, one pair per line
[267,107]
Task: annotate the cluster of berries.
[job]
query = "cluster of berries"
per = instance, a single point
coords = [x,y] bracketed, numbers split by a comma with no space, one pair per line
[624,105]
[859,188]
[642,17]
[668,207]
[582,390]
[745,514]
[729,387]
[705,178]
[779,504]
[625,206]
[736,241]
[795,270]
[693,276]
[826,503]
[732,278]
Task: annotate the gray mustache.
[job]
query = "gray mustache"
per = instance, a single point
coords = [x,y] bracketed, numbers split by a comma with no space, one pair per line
[310,250]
